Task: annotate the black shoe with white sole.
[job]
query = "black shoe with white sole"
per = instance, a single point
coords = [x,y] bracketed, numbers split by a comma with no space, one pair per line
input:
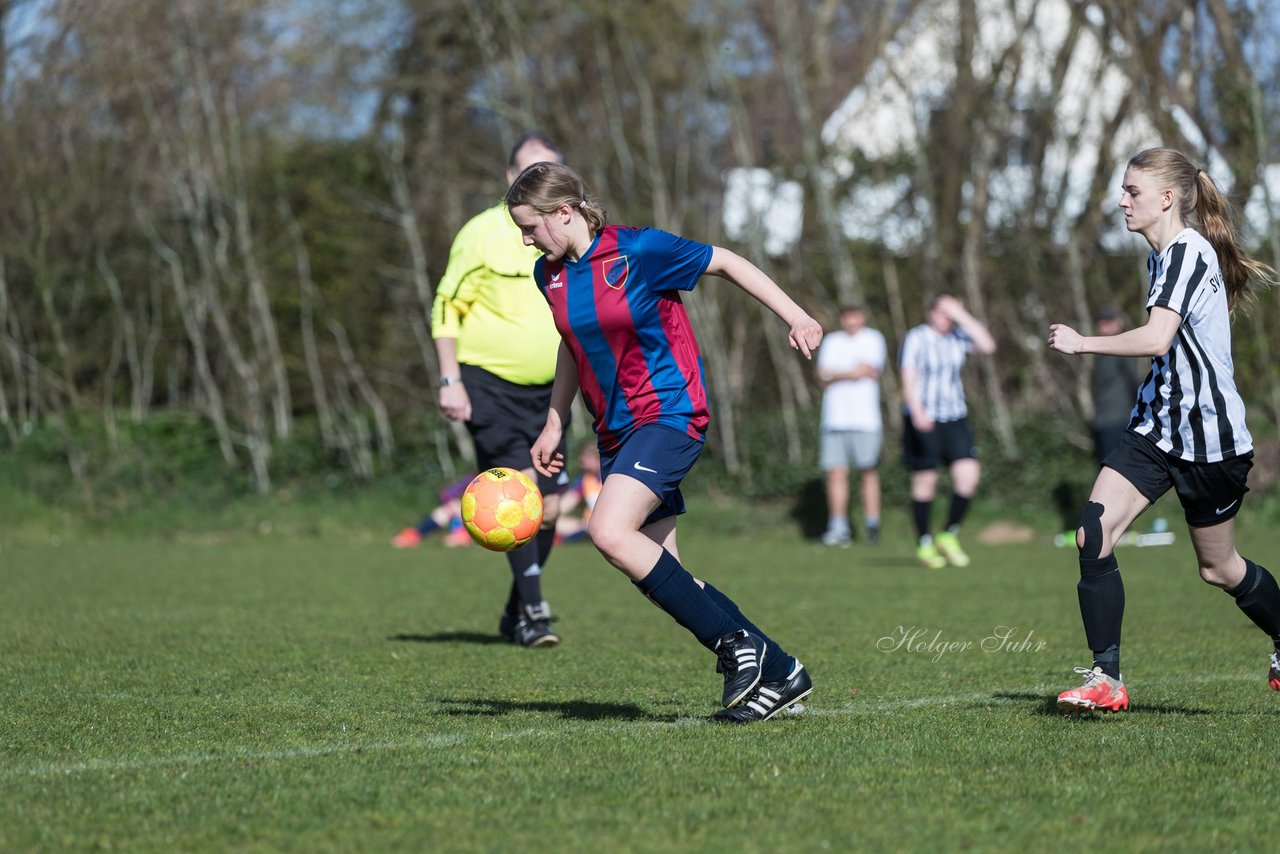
[769,699]
[741,655]
[507,626]
[534,626]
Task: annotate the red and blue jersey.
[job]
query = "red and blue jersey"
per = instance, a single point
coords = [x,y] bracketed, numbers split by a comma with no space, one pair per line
[619,312]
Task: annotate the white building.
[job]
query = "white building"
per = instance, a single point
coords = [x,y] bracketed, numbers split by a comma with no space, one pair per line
[889,114]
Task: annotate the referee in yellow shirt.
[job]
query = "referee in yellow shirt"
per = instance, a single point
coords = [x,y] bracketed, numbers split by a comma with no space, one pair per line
[497,346]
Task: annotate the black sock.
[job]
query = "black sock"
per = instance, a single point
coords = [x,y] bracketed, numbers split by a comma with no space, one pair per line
[673,589]
[777,664]
[513,601]
[1101,593]
[526,572]
[1108,661]
[1259,597]
[921,511]
[427,525]
[959,509]
[545,538]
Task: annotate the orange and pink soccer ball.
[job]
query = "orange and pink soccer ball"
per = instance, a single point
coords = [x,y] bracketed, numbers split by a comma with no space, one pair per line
[502,509]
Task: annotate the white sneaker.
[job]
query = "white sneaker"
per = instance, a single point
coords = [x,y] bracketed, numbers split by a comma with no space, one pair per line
[836,538]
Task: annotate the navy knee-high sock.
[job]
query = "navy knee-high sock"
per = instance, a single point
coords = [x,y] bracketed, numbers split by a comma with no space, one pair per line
[673,589]
[1259,597]
[1101,593]
[777,664]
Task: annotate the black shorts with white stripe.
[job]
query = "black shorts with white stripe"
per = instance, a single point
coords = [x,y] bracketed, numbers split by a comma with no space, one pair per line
[1210,493]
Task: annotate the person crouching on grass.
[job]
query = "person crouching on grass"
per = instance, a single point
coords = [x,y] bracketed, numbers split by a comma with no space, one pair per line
[627,342]
[1187,431]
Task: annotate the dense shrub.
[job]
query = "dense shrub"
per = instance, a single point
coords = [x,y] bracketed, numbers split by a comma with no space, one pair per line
[172,460]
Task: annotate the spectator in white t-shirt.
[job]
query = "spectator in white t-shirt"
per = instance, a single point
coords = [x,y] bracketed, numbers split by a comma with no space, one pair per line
[849,364]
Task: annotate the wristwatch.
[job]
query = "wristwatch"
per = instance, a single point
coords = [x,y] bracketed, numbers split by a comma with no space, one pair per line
[444,381]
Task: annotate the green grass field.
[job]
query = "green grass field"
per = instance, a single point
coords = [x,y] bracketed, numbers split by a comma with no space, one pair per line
[315,693]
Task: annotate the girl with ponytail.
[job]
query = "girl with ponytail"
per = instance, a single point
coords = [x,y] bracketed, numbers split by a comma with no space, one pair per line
[628,344]
[1187,430]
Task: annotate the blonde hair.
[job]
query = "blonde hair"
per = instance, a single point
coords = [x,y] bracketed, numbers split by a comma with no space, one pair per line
[1204,207]
[546,186]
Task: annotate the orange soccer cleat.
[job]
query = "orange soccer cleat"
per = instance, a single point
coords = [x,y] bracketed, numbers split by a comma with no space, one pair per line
[1099,693]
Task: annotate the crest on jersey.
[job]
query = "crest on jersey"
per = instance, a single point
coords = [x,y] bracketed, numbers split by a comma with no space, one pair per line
[614,271]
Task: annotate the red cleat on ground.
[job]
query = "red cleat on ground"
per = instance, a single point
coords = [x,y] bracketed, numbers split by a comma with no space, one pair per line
[1099,693]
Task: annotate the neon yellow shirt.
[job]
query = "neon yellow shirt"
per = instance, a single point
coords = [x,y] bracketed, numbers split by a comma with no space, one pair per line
[488,301]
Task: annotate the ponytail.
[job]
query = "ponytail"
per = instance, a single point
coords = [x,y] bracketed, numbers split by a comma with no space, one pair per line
[1203,206]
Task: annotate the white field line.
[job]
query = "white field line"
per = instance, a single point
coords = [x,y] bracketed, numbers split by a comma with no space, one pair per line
[853,707]
[231,755]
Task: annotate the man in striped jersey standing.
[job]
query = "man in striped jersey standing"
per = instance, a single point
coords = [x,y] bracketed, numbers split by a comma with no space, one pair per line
[936,429]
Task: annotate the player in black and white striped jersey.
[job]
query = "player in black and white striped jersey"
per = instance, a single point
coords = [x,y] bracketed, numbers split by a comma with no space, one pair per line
[935,419]
[1187,432]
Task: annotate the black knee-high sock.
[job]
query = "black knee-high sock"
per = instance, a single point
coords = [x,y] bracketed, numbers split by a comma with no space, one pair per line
[777,664]
[1259,597]
[526,572]
[673,589]
[921,511]
[545,538]
[959,509]
[1101,593]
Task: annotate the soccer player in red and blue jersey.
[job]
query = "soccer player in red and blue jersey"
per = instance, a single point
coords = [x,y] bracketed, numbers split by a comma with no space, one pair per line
[627,343]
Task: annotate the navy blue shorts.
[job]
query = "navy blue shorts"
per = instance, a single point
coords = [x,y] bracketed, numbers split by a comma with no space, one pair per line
[659,457]
[1210,493]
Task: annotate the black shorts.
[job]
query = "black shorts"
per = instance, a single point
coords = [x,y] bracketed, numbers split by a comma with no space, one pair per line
[947,442]
[506,419]
[1210,493]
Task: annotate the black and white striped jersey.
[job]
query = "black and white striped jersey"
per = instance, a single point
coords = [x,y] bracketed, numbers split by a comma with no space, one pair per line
[1188,405]
[938,360]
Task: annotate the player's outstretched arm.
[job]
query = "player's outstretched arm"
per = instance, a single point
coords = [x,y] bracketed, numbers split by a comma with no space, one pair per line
[805,333]
[1152,339]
